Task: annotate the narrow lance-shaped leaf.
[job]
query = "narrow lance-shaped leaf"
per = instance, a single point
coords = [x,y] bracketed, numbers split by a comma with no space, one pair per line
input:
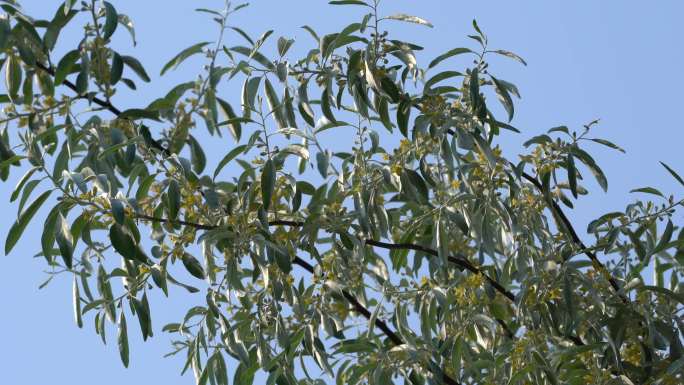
[608,143]
[249,92]
[105,290]
[184,54]
[323,162]
[410,19]
[66,63]
[474,90]
[59,21]
[22,181]
[230,156]
[305,109]
[25,217]
[664,238]
[111,20]
[47,239]
[510,55]
[504,97]
[64,240]
[403,115]
[229,113]
[173,199]
[128,24]
[13,76]
[159,278]
[122,241]
[116,70]
[588,161]
[83,78]
[77,303]
[122,339]
[197,156]
[268,178]
[648,190]
[673,173]
[30,186]
[254,54]
[325,105]
[142,310]
[440,77]
[193,266]
[135,65]
[382,107]
[348,2]
[274,104]
[448,54]
[5,31]
[572,174]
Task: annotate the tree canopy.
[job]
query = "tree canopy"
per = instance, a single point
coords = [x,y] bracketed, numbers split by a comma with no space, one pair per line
[364,225]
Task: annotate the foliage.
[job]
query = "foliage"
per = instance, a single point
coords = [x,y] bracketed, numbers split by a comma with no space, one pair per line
[412,248]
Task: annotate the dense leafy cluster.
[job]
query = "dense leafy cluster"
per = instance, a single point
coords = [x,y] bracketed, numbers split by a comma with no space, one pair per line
[363,227]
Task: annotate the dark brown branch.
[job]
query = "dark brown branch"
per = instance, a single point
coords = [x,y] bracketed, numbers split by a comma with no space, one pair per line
[102,103]
[459,260]
[198,226]
[286,223]
[380,324]
[558,212]
[358,307]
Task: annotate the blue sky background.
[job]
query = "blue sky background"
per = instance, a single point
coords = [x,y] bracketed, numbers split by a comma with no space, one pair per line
[617,60]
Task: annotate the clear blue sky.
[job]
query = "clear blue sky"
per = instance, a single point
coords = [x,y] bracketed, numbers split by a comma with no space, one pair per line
[617,60]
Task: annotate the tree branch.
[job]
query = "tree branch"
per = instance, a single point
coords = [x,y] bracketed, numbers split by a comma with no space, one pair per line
[380,324]
[458,260]
[102,103]
[358,307]
[558,212]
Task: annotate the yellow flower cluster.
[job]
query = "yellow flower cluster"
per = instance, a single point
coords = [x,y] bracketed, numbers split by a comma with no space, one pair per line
[519,354]
[632,353]
[404,145]
[528,200]
[434,105]
[466,293]
[455,184]
[474,281]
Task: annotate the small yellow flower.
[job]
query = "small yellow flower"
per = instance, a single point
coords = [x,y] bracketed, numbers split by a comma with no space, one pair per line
[460,293]
[474,280]
[632,354]
[554,294]
[455,184]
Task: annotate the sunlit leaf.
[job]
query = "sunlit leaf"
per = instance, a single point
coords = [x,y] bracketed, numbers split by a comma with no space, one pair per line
[184,54]
[410,19]
[25,217]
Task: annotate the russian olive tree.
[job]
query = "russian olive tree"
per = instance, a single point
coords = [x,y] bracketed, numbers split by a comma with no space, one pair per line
[362,226]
